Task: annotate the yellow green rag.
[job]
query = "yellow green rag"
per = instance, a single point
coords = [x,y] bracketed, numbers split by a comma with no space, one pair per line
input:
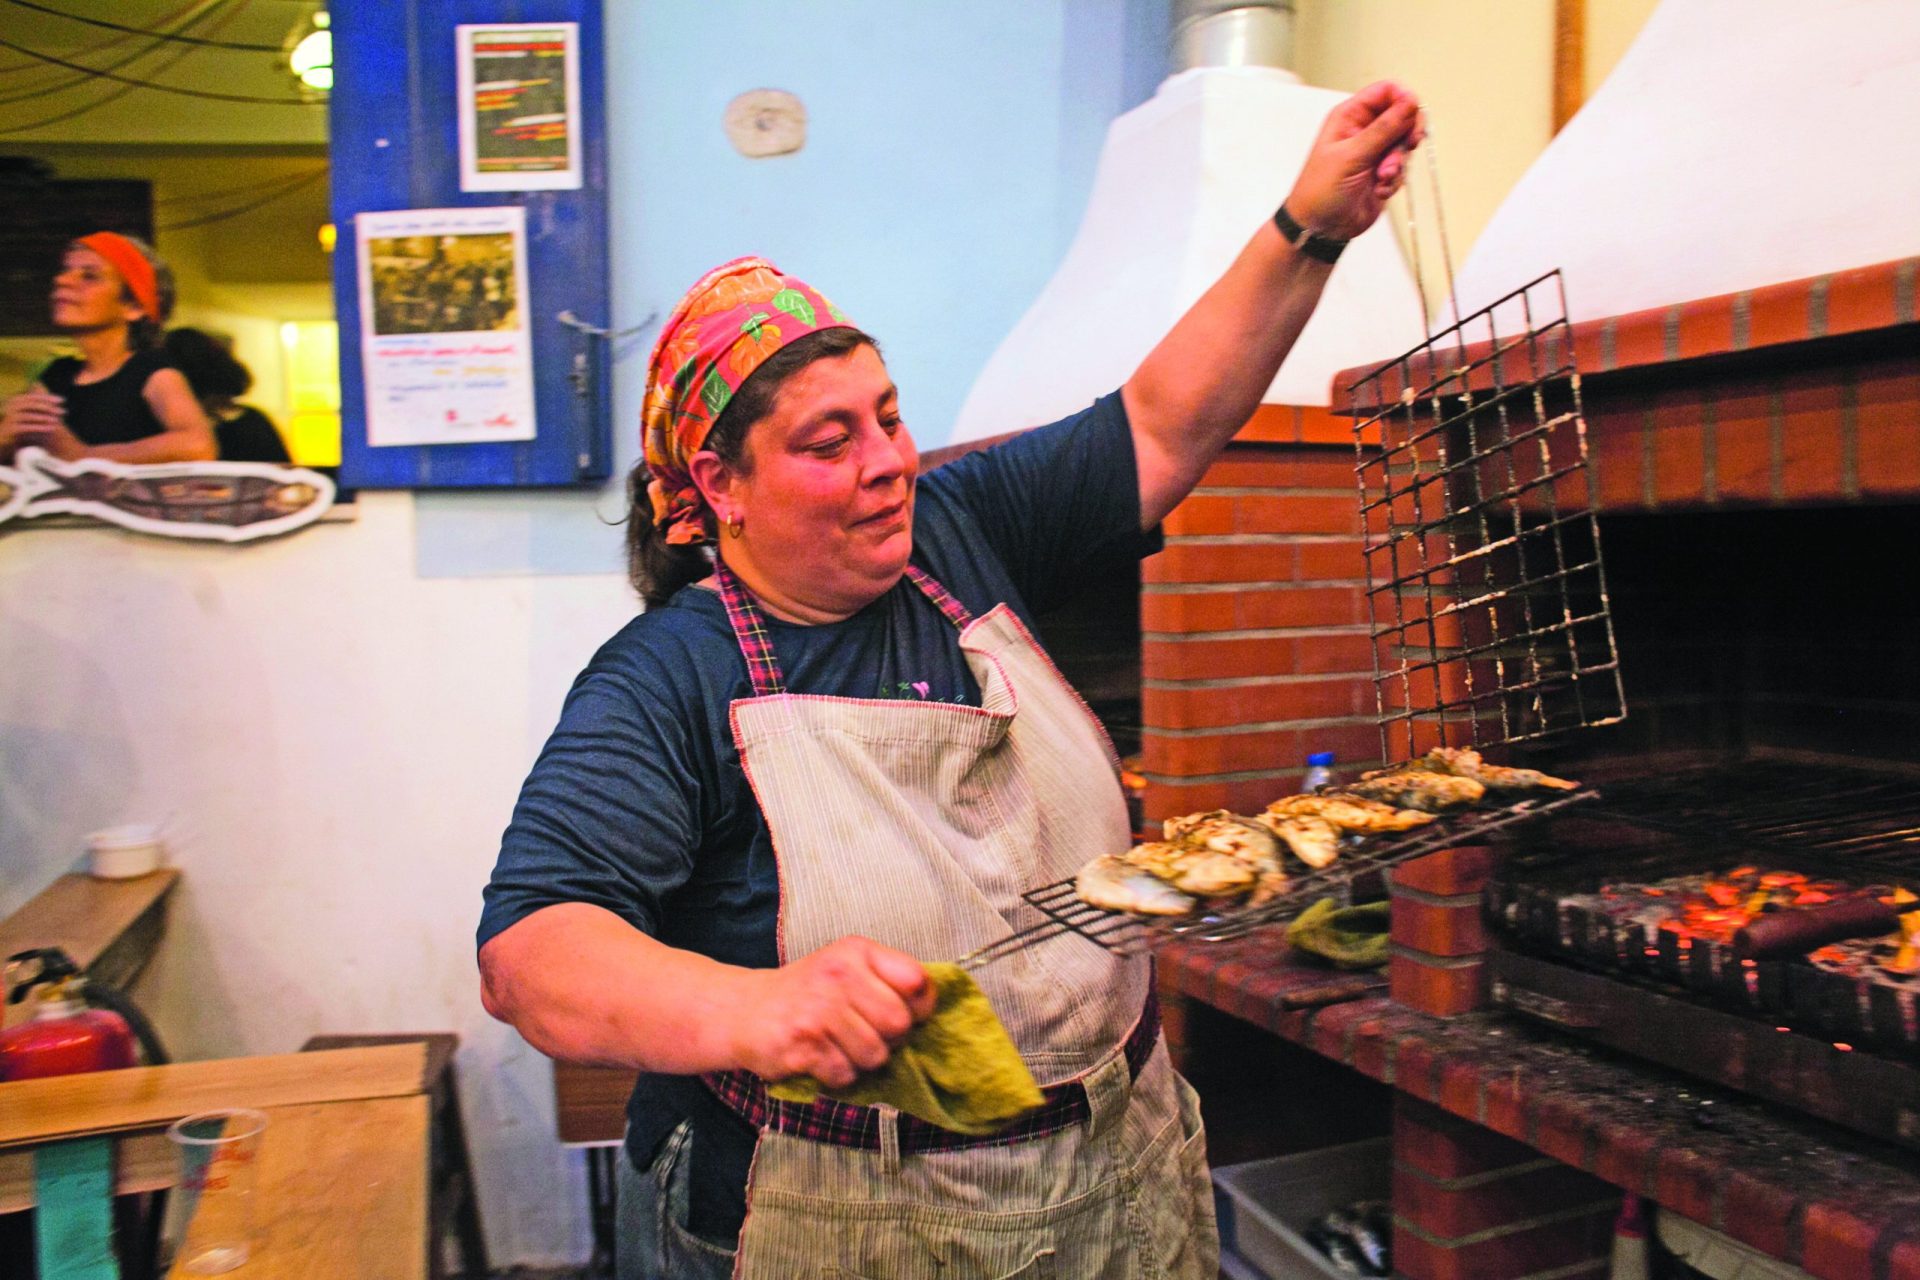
[1351,937]
[958,1069]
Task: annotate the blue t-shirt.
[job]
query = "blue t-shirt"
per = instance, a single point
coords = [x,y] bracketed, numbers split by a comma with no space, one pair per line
[638,803]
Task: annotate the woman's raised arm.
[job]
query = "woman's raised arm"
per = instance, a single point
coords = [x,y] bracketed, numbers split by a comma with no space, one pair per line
[1205,378]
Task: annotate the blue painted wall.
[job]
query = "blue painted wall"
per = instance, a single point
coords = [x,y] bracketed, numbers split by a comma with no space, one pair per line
[950,149]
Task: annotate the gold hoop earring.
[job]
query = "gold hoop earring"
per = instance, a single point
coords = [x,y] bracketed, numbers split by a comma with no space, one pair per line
[733,527]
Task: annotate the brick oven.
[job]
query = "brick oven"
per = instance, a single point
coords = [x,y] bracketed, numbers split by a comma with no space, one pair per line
[1756,460]
[1757,466]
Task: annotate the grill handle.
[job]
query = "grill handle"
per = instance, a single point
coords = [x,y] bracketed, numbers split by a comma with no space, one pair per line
[1545,1008]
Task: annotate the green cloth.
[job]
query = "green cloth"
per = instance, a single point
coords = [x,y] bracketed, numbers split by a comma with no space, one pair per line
[958,1069]
[1351,937]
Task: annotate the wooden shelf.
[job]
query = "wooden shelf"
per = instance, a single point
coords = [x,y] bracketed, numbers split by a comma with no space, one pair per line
[109,927]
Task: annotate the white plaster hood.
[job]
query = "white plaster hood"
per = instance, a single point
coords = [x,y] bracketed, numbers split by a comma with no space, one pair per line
[1738,143]
[1183,181]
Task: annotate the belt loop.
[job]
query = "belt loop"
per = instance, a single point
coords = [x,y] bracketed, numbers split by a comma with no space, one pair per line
[889,1138]
[1109,1087]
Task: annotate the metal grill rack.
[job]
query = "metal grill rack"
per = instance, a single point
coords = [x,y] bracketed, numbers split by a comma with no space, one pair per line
[1486,591]
[1126,934]
[1858,820]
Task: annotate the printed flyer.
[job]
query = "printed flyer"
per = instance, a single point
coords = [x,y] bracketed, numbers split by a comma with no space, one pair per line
[519,96]
[444,339]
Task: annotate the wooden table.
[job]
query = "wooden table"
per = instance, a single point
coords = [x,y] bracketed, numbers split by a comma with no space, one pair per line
[343,1165]
[342,1192]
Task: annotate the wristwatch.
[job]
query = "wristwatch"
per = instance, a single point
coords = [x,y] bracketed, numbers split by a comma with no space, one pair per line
[1320,248]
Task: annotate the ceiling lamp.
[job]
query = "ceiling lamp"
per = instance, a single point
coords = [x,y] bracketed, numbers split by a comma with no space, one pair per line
[312,58]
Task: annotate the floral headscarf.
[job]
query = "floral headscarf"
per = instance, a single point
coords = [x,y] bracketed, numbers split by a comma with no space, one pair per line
[725,327]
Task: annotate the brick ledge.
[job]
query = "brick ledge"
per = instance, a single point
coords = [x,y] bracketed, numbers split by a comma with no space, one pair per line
[1794,1189]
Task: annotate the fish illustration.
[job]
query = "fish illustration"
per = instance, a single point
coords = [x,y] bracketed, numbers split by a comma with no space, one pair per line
[222,501]
[14,492]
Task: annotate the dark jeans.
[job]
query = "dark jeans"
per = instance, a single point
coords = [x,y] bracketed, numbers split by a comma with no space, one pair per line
[650,1216]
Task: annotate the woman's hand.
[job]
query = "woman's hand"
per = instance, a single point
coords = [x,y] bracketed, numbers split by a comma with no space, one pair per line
[832,1015]
[1358,160]
[33,417]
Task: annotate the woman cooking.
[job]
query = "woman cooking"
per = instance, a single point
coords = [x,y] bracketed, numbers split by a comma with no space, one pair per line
[118,398]
[832,751]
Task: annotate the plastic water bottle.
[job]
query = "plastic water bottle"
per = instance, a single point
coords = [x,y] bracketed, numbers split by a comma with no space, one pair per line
[1319,771]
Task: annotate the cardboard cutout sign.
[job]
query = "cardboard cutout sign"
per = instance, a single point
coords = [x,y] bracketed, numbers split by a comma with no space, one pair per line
[218,501]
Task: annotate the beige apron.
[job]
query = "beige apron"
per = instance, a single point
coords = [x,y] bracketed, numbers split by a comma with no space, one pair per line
[919,825]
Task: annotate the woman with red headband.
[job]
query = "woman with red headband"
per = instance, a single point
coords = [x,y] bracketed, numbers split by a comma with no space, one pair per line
[119,399]
[830,751]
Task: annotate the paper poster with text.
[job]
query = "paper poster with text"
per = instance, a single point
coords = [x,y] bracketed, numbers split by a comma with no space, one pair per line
[519,103]
[444,337]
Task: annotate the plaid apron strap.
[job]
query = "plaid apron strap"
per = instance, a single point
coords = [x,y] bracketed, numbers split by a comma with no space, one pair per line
[943,600]
[756,646]
[750,629]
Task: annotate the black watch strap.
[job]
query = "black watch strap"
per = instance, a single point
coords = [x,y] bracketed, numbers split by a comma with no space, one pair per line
[1319,248]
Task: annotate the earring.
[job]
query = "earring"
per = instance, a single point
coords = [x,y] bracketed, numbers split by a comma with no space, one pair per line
[733,527]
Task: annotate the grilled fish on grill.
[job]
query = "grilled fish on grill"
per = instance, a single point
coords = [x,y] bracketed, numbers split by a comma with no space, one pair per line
[1193,868]
[1243,838]
[1313,840]
[1113,885]
[1224,832]
[1408,788]
[1349,813]
[1464,762]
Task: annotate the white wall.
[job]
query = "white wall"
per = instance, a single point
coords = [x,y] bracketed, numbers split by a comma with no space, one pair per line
[336,745]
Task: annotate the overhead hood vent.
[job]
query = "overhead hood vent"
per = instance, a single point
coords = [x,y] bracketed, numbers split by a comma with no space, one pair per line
[1182,182]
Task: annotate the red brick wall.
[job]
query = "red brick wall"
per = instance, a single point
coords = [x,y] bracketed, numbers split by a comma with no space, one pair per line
[1254,632]
[1469,1204]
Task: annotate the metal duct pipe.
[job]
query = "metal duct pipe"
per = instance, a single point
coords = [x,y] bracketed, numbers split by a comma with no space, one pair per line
[1232,33]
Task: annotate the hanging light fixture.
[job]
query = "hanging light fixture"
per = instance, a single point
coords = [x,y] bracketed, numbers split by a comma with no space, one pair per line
[312,56]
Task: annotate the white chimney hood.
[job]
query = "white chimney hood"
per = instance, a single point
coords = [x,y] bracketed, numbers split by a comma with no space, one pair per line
[1184,179]
[1737,144]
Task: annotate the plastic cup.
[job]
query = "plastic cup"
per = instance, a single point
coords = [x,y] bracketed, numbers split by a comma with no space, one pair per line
[211,1218]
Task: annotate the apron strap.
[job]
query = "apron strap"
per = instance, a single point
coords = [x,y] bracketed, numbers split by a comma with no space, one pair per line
[756,646]
[750,631]
[943,599]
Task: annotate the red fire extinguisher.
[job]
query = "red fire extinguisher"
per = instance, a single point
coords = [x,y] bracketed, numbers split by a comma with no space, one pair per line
[64,1034]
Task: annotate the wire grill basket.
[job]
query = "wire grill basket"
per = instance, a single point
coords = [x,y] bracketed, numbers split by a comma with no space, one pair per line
[1124,934]
[1486,592]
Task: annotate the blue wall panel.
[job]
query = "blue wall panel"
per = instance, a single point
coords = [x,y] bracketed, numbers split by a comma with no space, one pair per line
[395,145]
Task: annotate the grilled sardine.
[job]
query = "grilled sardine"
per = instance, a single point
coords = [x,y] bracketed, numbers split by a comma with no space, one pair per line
[1193,868]
[1420,789]
[1113,885]
[1464,762]
[1349,813]
[1244,838]
[1314,841]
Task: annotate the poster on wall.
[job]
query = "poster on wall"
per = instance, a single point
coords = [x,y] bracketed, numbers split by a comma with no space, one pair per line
[444,338]
[519,102]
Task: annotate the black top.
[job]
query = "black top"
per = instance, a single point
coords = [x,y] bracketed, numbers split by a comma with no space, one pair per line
[250,436]
[113,410]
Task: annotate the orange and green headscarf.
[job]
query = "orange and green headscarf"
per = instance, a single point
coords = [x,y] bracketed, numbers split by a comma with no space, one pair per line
[725,327]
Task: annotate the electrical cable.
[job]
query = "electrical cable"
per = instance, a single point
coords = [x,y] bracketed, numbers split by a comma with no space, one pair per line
[144,31]
[205,7]
[114,95]
[305,180]
[163,88]
[164,20]
[245,188]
